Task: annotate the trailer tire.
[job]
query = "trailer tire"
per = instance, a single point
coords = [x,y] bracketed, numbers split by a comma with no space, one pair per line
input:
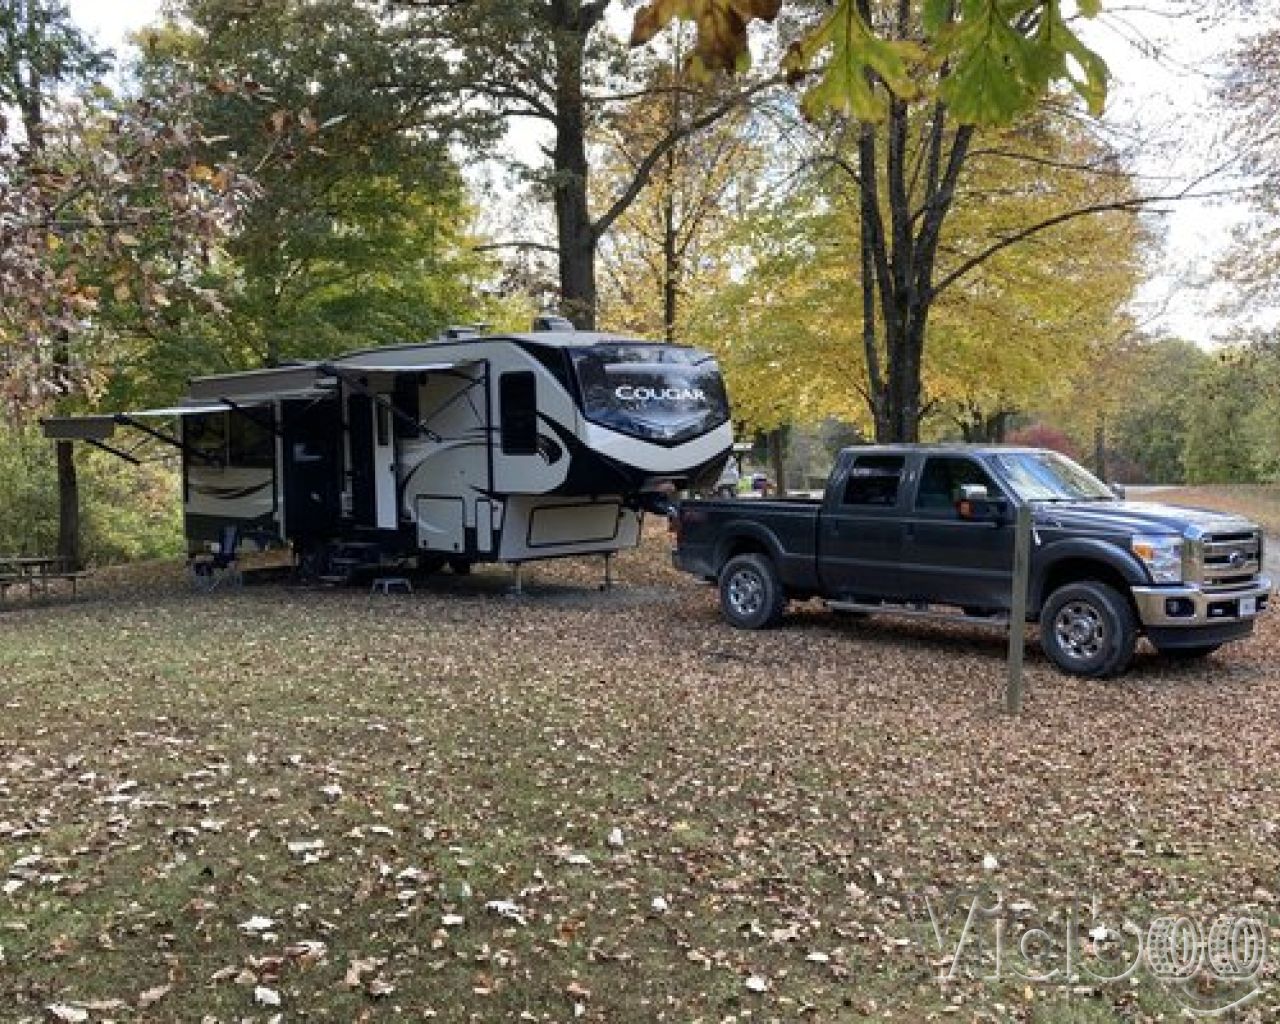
[751,595]
[429,565]
[460,566]
[1088,629]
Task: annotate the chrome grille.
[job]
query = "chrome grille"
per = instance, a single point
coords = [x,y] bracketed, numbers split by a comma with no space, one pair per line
[1229,561]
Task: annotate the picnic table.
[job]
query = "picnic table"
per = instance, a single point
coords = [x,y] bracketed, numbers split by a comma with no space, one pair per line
[36,572]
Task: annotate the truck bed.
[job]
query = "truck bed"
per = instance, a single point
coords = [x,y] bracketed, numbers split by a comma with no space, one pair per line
[786,527]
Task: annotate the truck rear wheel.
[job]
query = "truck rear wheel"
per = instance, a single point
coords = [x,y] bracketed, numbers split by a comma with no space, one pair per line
[751,595]
[1088,629]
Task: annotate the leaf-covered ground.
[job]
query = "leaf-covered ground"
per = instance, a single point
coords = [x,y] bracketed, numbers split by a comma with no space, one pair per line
[295,804]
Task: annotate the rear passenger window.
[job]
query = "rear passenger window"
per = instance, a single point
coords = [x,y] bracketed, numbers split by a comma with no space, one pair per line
[874,480]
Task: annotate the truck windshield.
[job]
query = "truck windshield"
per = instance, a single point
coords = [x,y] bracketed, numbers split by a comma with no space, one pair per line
[663,393]
[1048,476]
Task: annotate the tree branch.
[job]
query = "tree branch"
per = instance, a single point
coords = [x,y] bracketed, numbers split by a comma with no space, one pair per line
[517,244]
[1118,206]
[646,166]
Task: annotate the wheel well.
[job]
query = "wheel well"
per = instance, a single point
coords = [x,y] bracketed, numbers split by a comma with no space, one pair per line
[1082,570]
[742,546]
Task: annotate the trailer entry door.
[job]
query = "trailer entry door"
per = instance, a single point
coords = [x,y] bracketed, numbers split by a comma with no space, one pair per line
[312,468]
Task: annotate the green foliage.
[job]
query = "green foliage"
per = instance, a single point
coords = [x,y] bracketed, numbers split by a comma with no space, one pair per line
[1001,57]
[1219,444]
[40,49]
[359,236]
[1150,424]
[1006,56]
[857,56]
[128,512]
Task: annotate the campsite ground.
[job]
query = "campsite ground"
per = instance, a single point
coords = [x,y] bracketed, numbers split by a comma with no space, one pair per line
[211,803]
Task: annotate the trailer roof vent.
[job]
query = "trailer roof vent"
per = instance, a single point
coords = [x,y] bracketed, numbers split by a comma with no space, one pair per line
[551,322]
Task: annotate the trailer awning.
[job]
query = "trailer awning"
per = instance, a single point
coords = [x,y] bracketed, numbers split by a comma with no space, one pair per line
[101,426]
[371,363]
[306,380]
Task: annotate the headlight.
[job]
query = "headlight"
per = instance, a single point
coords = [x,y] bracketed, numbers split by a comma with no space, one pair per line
[1162,557]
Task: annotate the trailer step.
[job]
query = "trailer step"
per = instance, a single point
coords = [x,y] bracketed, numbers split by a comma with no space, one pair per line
[905,611]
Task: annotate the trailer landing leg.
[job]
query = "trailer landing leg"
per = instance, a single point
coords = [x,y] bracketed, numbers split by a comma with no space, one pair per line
[517,584]
[608,571]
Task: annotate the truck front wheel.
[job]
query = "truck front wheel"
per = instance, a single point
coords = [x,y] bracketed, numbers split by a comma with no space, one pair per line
[751,595]
[1088,629]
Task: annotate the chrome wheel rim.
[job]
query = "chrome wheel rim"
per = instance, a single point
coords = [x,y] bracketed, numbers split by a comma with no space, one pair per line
[1081,631]
[745,593]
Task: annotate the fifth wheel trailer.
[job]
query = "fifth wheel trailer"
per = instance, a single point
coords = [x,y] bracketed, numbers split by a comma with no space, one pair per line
[500,448]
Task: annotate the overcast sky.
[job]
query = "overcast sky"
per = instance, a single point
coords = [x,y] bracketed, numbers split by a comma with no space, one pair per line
[1164,66]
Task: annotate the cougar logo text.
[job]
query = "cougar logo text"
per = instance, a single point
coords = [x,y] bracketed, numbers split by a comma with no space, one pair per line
[631,393]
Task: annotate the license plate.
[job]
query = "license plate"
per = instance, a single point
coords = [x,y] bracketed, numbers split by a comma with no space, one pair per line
[1248,606]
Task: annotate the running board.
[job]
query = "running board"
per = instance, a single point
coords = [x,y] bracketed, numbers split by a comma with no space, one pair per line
[920,612]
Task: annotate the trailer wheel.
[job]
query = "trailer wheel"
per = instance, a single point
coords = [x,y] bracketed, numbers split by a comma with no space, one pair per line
[751,595]
[460,566]
[429,565]
[1088,629]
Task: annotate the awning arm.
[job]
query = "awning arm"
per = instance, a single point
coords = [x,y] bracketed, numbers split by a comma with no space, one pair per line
[377,399]
[186,449]
[113,451]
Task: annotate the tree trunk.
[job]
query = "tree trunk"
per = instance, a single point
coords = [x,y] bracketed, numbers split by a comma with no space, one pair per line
[1100,447]
[575,232]
[670,270]
[68,506]
[778,459]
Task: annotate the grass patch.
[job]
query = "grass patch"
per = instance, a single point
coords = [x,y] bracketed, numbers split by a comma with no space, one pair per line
[401,807]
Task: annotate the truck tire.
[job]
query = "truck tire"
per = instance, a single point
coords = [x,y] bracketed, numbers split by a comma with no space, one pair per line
[751,595]
[1088,629]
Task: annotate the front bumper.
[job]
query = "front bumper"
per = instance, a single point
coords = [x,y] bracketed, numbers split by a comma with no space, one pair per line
[1191,607]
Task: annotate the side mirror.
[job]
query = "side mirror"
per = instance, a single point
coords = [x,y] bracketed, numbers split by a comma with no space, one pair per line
[975,506]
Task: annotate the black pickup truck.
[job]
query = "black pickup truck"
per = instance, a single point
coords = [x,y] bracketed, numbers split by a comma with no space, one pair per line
[916,529]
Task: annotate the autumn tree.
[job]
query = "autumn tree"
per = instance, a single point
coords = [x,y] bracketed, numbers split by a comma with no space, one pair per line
[674,239]
[915,82]
[559,65]
[360,233]
[1004,339]
[1250,98]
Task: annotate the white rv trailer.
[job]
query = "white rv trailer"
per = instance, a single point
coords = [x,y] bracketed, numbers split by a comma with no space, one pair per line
[467,449]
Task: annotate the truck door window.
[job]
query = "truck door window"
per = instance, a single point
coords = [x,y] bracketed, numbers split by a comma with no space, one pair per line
[942,479]
[874,480]
[518,399]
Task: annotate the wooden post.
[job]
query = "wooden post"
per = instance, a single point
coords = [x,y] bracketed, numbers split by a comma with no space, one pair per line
[1018,608]
[68,508]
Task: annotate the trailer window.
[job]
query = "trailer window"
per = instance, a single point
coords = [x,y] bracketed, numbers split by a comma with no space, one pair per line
[382,424]
[250,442]
[207,434]
[663,393]
[874,480]
[518,396]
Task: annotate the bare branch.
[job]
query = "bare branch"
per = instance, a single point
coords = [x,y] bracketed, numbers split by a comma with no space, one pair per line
[645,168]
